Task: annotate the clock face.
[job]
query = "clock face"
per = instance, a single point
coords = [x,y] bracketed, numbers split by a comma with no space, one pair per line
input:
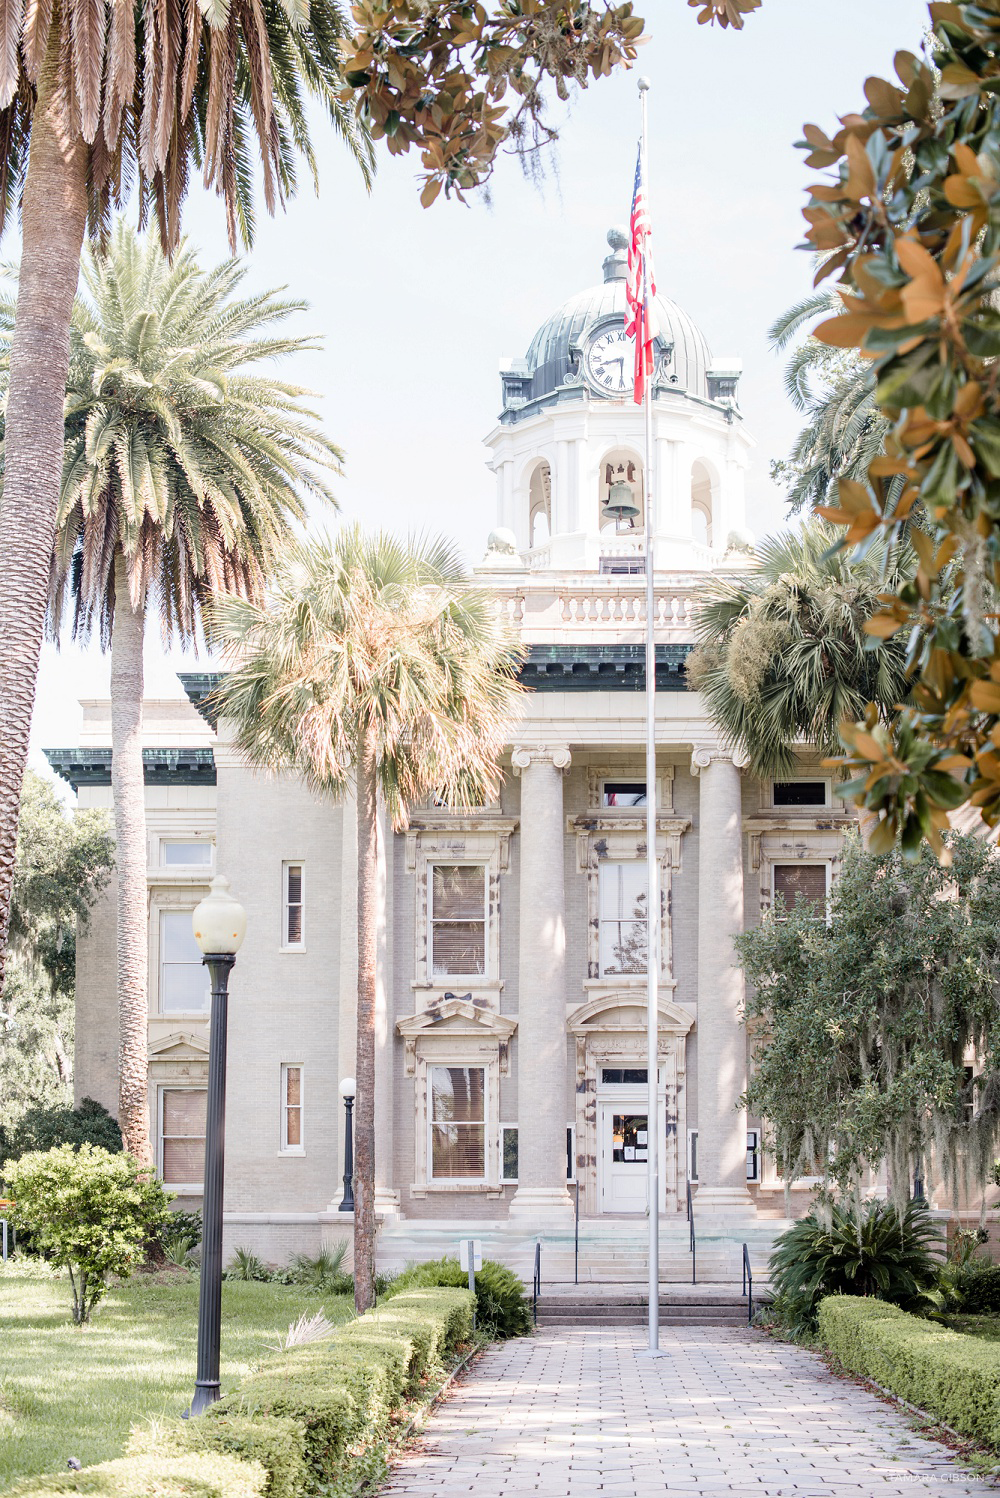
[609,361]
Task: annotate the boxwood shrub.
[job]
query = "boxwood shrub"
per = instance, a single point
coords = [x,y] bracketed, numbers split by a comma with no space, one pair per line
[501,1305]
[193,1474]
[342,1391]
[277,1443]
[952,1376]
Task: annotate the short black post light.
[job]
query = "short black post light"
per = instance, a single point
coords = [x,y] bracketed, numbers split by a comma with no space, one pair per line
[348,1088]
[220,924]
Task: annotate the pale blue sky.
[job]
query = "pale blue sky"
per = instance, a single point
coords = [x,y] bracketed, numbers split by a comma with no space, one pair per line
[417,307]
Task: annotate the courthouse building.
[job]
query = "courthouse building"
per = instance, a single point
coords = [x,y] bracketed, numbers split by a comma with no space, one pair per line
[511,1049]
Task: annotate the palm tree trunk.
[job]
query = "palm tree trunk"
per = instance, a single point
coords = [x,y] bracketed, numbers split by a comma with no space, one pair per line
[130,845]
[364,1108]
[53,217]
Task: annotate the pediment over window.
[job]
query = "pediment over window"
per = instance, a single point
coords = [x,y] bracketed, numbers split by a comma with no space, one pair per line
[451,1016]
[179,1045]
[461,1030]
[619,1012]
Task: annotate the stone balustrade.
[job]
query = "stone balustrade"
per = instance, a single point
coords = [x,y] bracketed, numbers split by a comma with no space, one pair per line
[594,609]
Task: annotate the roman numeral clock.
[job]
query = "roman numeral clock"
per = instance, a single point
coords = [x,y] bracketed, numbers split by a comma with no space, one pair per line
[608,358]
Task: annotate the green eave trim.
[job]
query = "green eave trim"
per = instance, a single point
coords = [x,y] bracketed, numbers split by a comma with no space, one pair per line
[603,668]
[159,766]
[547,668]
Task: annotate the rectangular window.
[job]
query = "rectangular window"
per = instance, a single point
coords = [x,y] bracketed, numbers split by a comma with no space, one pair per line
[692,1154]
[184,984]
[753,1155]
[458,1122]
[801,793]
[624,566]
[622,900]
[791,882]
[182,1135]
[625,1076]
[458,919]
[291,1108]
[508,1153]
[189,855]
[293,900]
[624,793]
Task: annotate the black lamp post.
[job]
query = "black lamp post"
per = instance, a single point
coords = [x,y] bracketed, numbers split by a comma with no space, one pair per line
[348,1087]
[220,925]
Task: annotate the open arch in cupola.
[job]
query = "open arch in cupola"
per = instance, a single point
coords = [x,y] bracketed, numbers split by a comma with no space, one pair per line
[704,503]
[620,467]
[540,504]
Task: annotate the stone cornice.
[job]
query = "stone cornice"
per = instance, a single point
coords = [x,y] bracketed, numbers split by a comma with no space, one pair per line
[160,766]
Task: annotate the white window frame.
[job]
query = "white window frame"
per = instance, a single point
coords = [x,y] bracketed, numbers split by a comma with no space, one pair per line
[183,1188]
[458,1180]
[464,863]
[798,811]
[692,1156]
[615,863]
[508,1180]
[203,1013]
[171,839]
[284,1148]
[755,1145]
[624,779]
[287,864]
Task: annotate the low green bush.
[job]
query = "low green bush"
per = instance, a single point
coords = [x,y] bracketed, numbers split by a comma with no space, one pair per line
[502,1308]
[278,1444]
[343,1390]
[952,1376]
[976,1287]
[191,1475]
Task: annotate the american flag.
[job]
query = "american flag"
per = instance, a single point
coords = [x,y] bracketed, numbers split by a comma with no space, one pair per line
[640,287]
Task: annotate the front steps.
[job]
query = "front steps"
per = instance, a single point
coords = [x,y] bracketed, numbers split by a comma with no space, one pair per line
[705,1305]
[612,1250]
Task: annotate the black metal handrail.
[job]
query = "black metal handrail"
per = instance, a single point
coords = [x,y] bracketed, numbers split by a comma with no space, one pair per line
[693,1242]
[536,1288]
[748,1282]
[576,1238]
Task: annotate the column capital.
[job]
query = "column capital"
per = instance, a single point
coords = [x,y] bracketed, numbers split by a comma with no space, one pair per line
[703,755]
[527,754]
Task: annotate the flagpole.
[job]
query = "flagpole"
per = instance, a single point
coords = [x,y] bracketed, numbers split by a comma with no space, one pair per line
[653,1122]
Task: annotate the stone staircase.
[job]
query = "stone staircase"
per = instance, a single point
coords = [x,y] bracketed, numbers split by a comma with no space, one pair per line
[612,1250]
[606,1305]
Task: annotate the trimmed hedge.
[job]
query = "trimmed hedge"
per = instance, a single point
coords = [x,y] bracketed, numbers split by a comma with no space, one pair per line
[501,1305]
[160,1475]
[277,1444]
[287,1428]
[952,1376]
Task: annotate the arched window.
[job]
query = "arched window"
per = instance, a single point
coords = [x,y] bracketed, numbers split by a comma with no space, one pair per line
[702,505]
[620,491]
[540,505]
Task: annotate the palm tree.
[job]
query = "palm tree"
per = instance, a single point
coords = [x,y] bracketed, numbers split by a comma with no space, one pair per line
[373,663]
[100,100]
[783,656]
[835,390]
[184,471]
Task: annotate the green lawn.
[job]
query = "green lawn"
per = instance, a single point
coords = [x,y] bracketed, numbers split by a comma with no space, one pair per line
[71,1391]
[987,1327]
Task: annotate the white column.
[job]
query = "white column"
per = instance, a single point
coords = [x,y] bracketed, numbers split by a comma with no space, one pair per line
[722,1072]
[347,985]
[541,1019]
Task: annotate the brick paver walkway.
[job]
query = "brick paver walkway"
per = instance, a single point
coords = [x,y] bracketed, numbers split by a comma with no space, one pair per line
[575,1412]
